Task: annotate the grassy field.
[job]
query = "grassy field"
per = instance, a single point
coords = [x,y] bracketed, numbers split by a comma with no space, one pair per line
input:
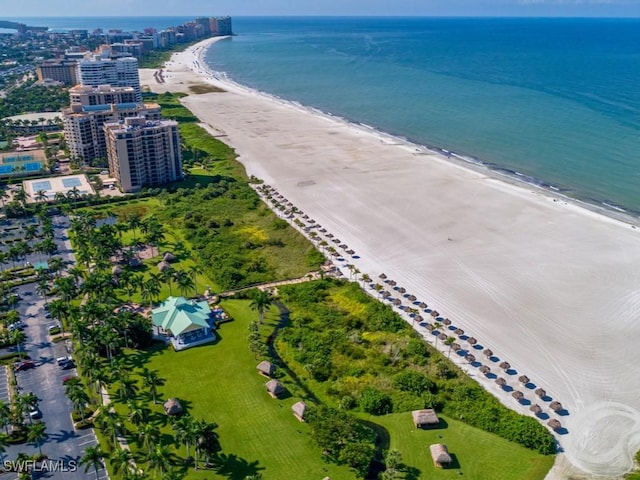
[258,434]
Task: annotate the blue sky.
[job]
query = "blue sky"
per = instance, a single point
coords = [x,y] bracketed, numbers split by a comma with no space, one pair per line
[25,8]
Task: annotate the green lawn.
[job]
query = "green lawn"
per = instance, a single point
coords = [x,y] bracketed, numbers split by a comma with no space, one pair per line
[478,455]
[221,384]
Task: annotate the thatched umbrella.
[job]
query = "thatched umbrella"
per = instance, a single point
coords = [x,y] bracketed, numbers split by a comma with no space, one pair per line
[336,240]
[330,235]
[442,336]
[323,230]
[501,381]
[342,246]
[311,220]
[523,379]
[397,301]
[535,408]
[518,395]
[434,313]
[446,321]
[382,275]
[456,347]
[554,424]
[172,407]
[430,327]
[402,290]
[386,294]
[541,392]
[472,341]
[505,365]
[350,252]
[470,358]
[555,406]
[412,298]
[305,217]
[484,369]
[458,331]
[393,283]
[418,318]
[423,305]
[488,352]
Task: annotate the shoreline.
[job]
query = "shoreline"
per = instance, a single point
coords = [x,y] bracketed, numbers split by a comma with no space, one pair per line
[506,260]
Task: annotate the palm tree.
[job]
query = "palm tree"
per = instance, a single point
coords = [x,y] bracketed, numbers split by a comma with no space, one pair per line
[260,302]
[449,342]
[185,432]
[36,433]
[27,402]
[194,271]
[138,413]
[149,434]
[159,459]
[41,196]
[18,338]
[184,281]
[5,415]
[207,440]
[92,458]
[152,381]
[42,288]
[121,460]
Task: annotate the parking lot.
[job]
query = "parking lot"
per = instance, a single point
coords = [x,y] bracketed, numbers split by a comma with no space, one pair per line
[63,443]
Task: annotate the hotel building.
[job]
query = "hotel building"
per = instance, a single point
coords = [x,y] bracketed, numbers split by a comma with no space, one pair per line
[102,70]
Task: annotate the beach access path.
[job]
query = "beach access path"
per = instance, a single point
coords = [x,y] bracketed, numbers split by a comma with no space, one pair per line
[551,286]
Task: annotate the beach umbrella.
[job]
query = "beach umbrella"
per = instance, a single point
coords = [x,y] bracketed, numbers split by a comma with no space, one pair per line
[329,235]
[518,395]
[343,246]
[488,352]
[501,381]
[393,283]
[456,347]
[382,276]
[385,294]
[323,230]
[535,408]
[484,369]
[470,358]
[418,318]
[523,379]
[442,336]
[429,327]
[412,298]
[541,392]
[505,366]
[402,290]
[458,331]
[434,313]
[554,424]
[397,301]
[471,341]
[402,307]
[555,406]
[446,321]
[423,305]
[350,252]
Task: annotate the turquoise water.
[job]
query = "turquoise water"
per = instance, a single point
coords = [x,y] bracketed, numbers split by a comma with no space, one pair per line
[556,100]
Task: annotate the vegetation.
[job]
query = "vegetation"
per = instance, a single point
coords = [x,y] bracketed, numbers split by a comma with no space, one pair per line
[28,98]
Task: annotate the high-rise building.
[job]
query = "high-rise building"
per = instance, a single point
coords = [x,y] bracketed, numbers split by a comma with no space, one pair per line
[63,71]
[221,26]
[84,125]
[103,70]
[143,152]
[101,95]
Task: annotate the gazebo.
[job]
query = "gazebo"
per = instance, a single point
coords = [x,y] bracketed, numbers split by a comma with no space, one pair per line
[274,388]
[172,407]
[266,368]
[187,323]
[425,418]
[299,409]
[440,455]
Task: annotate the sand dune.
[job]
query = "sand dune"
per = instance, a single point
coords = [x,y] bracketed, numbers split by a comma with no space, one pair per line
[549,286]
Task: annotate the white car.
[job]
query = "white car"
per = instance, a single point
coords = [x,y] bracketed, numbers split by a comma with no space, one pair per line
[61,360]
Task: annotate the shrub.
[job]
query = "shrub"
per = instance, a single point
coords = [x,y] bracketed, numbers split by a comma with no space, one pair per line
[375,402]
[414,382]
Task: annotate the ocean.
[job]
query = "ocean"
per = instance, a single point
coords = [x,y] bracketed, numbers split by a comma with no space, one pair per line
[550,101]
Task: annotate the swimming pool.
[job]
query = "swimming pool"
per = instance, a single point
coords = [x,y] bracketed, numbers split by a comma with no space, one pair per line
[71,182]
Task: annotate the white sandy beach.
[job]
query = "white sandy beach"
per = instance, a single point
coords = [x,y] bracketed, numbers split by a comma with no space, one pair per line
[550,287]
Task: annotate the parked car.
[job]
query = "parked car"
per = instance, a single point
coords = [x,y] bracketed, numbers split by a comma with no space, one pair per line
[35,413]
[25,365]
[68,365]
[61,360]
[52,327]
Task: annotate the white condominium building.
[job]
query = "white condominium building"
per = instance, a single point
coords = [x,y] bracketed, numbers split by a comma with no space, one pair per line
[101,95]
[121,72]
[143,152]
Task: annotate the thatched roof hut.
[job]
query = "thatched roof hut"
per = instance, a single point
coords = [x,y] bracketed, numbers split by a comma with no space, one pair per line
[299,409]
[470,358]
[501,381]
[274,388]
[555,406]
[330,235]
[458,331]
[518,395]
[172,407]
[350,252]
[488,352]
[505,365]
[523,379]
[554,424]
[164,266]
[535,408]
[472,341]
[266,368]
[440,455]
[323,230]
[169,257]
[484,369]
[425,418]
[541,392]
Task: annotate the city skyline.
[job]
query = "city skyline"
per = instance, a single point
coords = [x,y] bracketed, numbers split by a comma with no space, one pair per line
[587,8]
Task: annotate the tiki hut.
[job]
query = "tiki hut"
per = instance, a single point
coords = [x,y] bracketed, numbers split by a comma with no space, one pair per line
[555,406]
[554,424]
[541,392]
[505,365]
[458,331]
[164,266]
[425,418]
[518,395]
[274,388]
[423,305]
[299,409]
[446,321]
[266,368]
[172,407]
[535,408]
[470,358]
[488,352]
[382,275]
[484,369]
[440,455]
[116,270]
[169,257]
[501,381]
[472,341]
[523,379]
